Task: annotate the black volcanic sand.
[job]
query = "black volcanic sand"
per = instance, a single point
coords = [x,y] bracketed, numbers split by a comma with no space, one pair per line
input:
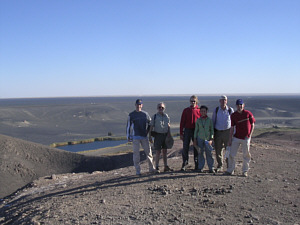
[270,195]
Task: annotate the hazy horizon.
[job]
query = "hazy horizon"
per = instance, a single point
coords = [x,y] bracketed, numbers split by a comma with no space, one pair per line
[163,95]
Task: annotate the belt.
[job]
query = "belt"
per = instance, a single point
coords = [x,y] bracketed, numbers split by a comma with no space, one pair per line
[162,133]
[222,130]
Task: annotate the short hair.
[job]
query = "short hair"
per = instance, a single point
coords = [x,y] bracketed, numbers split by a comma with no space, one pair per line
[194,97]
[203,107]
[161,103]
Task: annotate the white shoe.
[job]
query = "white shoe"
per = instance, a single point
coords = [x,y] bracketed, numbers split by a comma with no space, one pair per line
[245,174]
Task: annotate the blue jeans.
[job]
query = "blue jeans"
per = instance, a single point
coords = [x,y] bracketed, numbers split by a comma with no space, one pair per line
[208,152]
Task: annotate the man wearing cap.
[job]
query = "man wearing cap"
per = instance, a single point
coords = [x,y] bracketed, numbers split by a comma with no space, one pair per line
[137,129]
[222,123]
[243,122]
[187,127]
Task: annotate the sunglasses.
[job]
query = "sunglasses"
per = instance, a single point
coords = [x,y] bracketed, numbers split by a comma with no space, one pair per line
[193,101]
[160,107]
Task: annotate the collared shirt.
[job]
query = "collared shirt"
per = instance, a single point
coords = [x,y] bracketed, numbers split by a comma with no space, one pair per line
[222,120]
[160,123]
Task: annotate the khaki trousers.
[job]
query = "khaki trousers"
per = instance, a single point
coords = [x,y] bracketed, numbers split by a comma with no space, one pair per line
[221,141]
[136,154]
[236,143]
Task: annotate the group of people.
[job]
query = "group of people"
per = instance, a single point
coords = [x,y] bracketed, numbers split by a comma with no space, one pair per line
[227,129]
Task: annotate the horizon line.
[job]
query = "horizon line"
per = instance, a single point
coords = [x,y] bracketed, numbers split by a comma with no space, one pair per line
[158,95]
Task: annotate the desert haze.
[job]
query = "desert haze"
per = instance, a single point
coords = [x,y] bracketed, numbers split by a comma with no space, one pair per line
[50,120]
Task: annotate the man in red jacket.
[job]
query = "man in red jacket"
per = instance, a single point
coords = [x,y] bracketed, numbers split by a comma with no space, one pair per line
[187,126]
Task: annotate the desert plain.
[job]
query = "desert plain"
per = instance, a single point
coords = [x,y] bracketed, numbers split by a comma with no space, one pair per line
[50,120]
[44,185]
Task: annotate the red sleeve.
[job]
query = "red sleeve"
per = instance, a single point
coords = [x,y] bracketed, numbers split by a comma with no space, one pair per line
[232,119]
[251,118]
[182,121]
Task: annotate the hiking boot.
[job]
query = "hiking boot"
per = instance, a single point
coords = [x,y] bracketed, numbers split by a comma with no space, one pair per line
[184,165]
[226,173]
[196,166]
[219,169]
[154,171]
[167,169]
[211,171]
[157,169]
[245,174]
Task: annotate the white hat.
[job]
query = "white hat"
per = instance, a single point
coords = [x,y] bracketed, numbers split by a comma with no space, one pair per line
[223,97]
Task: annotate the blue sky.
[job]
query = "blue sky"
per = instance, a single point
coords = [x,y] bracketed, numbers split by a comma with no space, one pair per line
[61,48]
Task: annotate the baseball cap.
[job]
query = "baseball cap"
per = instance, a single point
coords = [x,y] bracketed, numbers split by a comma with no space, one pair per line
[239,102]
[139,102]
[223,97]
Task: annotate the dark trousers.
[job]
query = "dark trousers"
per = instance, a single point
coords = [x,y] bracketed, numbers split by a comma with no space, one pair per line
[188,136]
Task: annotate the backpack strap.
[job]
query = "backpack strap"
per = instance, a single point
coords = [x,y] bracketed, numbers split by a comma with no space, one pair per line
[217,109]
[154,120]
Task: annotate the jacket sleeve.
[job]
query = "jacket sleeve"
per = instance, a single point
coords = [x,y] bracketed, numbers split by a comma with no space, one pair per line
[182,121]
[196,129]
[128,128]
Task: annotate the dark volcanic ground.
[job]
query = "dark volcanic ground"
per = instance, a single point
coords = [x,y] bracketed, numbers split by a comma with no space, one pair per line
[270,195]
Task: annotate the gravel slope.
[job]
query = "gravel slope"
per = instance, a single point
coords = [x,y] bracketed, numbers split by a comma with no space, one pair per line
[270,195]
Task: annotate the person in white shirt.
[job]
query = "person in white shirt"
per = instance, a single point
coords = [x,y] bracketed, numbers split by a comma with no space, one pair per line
[222,124]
